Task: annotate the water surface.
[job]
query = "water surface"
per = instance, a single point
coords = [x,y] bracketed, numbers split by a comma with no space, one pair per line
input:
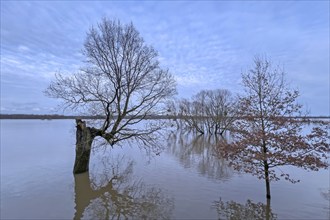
[186,181]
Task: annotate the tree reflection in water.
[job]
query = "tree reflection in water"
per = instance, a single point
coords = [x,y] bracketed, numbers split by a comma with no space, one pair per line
[199,151]
[233,210]
[115,195]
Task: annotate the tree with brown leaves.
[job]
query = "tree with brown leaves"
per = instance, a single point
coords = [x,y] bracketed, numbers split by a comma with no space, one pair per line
[272,130]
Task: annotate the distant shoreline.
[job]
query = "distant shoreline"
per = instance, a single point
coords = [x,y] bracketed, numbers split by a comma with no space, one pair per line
[55,116]
[51,117]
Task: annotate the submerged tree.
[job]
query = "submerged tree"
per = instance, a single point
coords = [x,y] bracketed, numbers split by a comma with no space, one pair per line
[122,81]
[271,130]
[209,111]
[219,108]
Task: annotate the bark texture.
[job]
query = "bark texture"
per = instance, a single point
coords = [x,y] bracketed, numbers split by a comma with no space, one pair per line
[84,138]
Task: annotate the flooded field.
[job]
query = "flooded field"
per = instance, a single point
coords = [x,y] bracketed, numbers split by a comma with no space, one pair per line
[186,181]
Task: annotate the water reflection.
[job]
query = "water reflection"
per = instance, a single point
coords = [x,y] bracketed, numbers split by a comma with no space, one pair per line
[250,210]
[115,195]
[199,151]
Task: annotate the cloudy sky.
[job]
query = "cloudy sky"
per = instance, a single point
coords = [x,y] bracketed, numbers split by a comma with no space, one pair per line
[205,44]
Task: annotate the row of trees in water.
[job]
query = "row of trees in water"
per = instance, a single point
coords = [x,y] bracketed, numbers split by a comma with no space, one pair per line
[209,111]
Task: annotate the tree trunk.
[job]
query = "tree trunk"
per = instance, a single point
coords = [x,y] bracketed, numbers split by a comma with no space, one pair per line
[268,210]
[267,180]
[84,138]
[266,166]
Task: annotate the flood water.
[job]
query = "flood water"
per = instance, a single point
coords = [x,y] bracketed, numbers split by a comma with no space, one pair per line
[185,181]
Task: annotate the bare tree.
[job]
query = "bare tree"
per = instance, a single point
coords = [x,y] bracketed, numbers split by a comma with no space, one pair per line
[122,81]
[192,115]
[220,109]
[173,112]
[270,132]
[209,111]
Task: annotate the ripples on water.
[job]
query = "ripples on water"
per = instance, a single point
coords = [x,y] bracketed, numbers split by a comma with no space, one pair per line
[185,181]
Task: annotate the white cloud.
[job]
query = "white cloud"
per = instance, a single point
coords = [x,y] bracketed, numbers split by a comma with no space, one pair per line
[23,48]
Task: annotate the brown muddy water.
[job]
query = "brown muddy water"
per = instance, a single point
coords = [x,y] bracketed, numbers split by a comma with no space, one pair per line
[184,182]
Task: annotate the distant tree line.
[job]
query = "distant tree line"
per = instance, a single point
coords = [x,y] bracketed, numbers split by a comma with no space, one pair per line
[93,117]
[160,116]
[45,117]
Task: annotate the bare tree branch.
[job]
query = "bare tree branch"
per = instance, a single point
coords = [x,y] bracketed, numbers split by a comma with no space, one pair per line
[122,81]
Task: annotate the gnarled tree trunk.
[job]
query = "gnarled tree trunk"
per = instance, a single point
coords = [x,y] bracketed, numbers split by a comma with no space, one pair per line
[84,138]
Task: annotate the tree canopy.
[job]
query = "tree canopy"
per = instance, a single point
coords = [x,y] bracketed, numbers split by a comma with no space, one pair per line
[122,80]
[271,132]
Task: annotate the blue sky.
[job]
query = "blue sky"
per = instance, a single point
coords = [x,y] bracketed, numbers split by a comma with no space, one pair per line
[205,44]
